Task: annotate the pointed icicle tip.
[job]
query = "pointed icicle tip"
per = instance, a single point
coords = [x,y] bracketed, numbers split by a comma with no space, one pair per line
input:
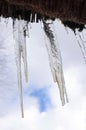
[55,59]
[19,33]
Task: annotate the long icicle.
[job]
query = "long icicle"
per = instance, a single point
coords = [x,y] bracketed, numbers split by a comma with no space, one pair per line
[19,33]
[24,51]
[55,59]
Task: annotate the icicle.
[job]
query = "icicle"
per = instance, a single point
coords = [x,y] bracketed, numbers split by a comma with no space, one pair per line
[30,17]
[55,59]
[82,44]
[19,33]
[35,18]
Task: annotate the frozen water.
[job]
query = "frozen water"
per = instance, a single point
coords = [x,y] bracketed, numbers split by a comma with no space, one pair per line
[20,32]
[55,58]
[82,43]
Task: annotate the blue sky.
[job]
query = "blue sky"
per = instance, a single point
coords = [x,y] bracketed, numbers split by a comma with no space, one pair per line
[42,105]
[43,98]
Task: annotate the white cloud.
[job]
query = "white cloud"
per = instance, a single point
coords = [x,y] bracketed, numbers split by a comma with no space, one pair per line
[62,118]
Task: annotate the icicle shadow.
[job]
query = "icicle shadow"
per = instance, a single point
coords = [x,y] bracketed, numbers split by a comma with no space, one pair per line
[19,33]
[55,58]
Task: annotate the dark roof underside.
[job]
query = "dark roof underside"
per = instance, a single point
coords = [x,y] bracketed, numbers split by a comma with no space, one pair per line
[70,10]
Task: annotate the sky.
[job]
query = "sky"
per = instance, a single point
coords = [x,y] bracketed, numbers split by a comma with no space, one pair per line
[42,105]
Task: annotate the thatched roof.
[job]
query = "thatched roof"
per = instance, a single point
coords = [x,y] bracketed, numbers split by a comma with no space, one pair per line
[70,10]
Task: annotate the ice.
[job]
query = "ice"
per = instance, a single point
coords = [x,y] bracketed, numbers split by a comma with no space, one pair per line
[19,33]
[81,43]
[55,58]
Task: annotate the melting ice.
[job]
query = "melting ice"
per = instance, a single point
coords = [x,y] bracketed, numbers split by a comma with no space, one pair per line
[55,58]
[20,32]
[81,43]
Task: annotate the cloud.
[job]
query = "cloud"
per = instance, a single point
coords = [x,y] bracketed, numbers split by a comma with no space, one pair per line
[61,119]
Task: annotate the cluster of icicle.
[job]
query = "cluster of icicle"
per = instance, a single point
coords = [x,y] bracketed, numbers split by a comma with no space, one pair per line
[19,32]
[55,58]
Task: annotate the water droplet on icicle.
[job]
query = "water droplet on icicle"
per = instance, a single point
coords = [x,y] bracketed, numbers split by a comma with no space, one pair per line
[19,32]
[55,58]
